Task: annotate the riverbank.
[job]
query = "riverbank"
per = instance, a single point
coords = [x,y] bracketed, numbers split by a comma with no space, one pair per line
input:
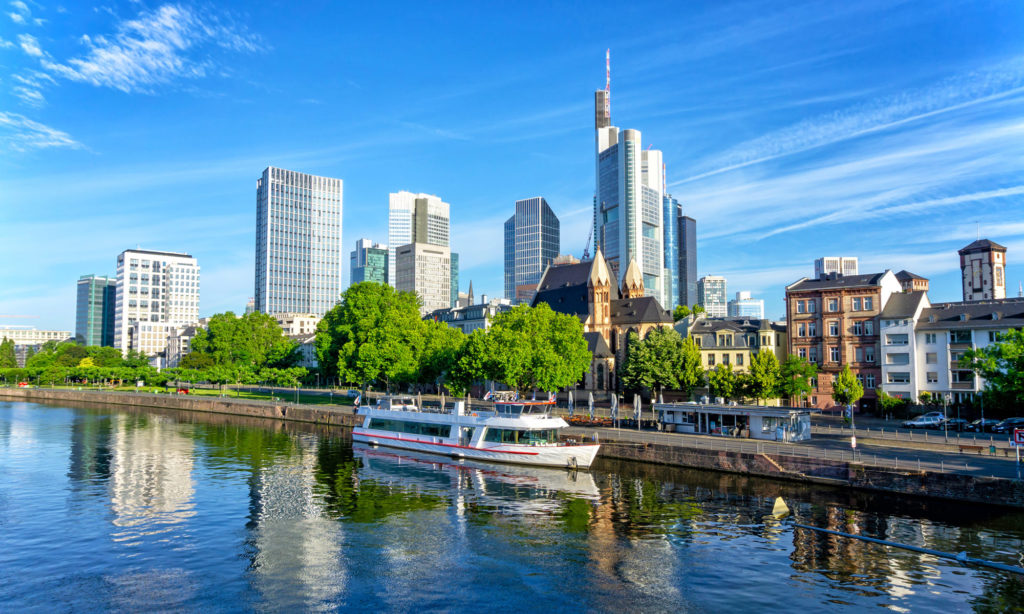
[717,454]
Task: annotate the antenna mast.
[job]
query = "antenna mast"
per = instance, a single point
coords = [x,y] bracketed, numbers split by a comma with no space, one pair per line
[608,84]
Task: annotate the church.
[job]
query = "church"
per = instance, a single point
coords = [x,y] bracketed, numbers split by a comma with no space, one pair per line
[609,313]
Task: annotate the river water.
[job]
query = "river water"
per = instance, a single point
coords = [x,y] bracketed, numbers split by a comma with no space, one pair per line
[139,510]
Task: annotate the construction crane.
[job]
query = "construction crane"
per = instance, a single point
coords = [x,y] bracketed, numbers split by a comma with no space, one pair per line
[586,250]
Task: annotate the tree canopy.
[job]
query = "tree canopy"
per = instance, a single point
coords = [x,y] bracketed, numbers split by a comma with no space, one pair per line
[795,377]
[765,375]
[254,341]
[846,390]
[8,359]
[654,363]
[721,381]
[1002,366]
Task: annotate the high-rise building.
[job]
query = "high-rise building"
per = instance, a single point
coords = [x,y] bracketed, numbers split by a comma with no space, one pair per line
[687,236]
[369,262]
[671,211]
[628,200]
[983,269]
[298,242]
[842,265]
[532,241]
[454,264]
[156,291]
[426,270]
[743,306]
[415,218]
[711,293]
[94,311]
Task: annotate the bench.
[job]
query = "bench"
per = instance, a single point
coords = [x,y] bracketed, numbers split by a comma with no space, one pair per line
[969,448]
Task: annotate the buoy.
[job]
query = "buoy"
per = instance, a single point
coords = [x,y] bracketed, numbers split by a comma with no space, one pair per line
[780,509]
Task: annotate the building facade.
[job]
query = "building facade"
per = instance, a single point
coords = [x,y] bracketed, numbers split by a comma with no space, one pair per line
[671,211]
[297,324]
[734,341]
[415,218]
[369,262]
[94,310]
[298,242]
[426,270]
[983,270]
[841,265]
[833,321]
[471,317]
[160,289]
[743,306]
[711,295]
[179,344]
[454,285]
[532,241]
[687,236]
[912,283]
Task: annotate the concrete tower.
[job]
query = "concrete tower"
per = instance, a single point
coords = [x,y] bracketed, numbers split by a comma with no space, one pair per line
[983,270]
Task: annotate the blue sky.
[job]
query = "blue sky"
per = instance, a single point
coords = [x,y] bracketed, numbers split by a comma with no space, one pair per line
[885,130]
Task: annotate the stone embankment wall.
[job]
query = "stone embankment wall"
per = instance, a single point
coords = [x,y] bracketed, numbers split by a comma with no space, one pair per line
[835,473]
[278,410]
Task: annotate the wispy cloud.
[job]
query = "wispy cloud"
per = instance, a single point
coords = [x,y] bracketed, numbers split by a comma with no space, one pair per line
[20,133]
[20,13]
[155,49]
[30,45]
[5,44]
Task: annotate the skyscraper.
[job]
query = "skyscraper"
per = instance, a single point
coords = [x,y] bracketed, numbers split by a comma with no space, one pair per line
[369,262]
[156,291]
[94,311]
[711,296]
[454,265]
[532,241]
[629,200]
[415,218]
[687,237]
[743,306]
[426,270]
[298,242]
[671,211]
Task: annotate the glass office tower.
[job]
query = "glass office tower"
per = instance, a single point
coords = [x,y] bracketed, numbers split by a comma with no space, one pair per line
[94,313]
[532,241]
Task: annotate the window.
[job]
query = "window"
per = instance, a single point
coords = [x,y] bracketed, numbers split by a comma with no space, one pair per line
[833,304]
[869,327]
[929,337]
[896,340]
[901,358]
[963,377]
[800,306]
[858,354]
[933,377]
[812,329]
[960,336]
[858,328]
[520,436]
[993,336]
[711,359]
[869,353]
[802,330]
[898,377]
[868,301]
[834,354]
[869,380]
[739,360]
[833,328]
[812,354]
[413,428]
[802,352]
[725,359]
[931,358]
[812,306]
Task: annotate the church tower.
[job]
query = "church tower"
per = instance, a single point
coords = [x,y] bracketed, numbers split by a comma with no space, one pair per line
[632,281]
[983,269]
[599,289]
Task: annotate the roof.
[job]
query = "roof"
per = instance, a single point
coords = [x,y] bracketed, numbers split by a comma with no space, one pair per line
[906,275]
[982,245]
[834,281]
[903,304]
[740,326]
[644,309]
[1000,313]
[564,287]
[597,346]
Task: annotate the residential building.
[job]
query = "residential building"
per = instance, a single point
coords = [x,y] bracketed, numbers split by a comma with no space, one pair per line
[743,306]
[735,341]
[841,265]
[152,339]
[670,212]
[899,359]
[832,321]
[628,203]
[532,241]
[426,270]
[94,310]
[471,317]
[307,350]
[454,285]
[369,262]
[687,268]
[179,344]
[158,288]
[297,324]
[912,283]
[298,242]
[711,295]
[983,269]
[415,218]
[609,313]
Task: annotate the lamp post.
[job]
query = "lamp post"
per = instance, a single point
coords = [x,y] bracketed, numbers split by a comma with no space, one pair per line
[945,422]
[853,431]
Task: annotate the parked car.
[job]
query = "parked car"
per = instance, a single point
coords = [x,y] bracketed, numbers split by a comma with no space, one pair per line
[1007,426]
[982,426]
[925,421]
[954,424]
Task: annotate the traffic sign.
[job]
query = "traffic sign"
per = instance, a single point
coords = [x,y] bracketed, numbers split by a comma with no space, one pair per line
[1018,437]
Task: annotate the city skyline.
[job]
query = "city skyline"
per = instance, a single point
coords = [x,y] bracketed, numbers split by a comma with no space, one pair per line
[788,133]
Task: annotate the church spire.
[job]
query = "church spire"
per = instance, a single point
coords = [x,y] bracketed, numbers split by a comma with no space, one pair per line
[632,281]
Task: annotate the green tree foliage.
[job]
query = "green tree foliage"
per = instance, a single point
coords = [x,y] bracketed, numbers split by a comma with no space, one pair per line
[680,312]
[796,374]
[697,309]
[891,405]
[691,371]
[721,381]
[135,360]
[471,364]
[105,356]
[1002,366]
[654,363]
[846,390]
[441,347]
[254,341]
[8,359]
[765,376]
[374,334]
[196,360]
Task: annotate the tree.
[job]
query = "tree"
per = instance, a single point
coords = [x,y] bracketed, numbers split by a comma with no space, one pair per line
[889,404]
[796,374]
[655,362]
[196,360]
[253,341]
[86,363]
[134,359]
[765,375]
[925,398]
[471,363]
[691,370]
[441,346]
[680,312]
[8,359]
[721,381]
[105,356]
[697,309]
[1002,366]
[846,390]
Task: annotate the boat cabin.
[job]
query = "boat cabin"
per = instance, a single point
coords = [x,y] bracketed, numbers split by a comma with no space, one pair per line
[747,421]
[524,408]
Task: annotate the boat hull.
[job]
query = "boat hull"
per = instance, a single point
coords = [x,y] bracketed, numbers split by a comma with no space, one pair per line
[543,456]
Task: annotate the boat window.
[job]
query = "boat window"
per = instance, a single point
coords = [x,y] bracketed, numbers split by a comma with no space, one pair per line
[521,436]
[413,428]
[505,408]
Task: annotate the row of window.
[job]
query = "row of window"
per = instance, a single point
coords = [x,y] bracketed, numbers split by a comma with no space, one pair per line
[864,354]
[833,305]
[413,428]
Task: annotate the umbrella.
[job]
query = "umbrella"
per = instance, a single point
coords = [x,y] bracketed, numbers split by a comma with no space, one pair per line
[590,404]
[637,409]
[615,407]
[571,404]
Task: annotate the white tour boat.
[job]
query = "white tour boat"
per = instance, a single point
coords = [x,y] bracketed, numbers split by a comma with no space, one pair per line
[521,432]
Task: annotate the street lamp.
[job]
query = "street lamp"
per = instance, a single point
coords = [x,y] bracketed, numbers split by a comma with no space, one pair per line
[853,431]
[945,421]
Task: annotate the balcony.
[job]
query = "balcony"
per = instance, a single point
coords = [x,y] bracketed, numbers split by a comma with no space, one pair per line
[962,385]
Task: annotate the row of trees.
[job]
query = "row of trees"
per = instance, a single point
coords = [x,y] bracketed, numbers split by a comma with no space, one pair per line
[375,336]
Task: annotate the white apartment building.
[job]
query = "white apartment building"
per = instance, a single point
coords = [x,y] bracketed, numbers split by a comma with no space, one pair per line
[160,289]
[293,324]
[711,295]
[32,337]
[426,270]
[415,218]
[841,265]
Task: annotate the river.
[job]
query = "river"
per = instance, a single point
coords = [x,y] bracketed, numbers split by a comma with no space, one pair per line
[139,510]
